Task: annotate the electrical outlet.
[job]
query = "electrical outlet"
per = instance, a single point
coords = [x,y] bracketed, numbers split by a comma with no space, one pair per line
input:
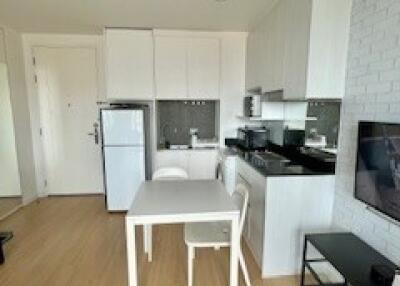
[193,131]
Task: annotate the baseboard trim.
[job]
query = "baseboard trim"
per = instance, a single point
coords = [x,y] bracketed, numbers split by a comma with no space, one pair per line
[75,195]
[27,201]
[3,217]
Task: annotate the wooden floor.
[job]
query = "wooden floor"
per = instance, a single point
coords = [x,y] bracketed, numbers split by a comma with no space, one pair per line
[74,241]
[8,205]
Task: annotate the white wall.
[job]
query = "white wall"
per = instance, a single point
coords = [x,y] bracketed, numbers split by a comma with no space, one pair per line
[9,173]
[53,40]
[372,93]
[2,47]
[19,102]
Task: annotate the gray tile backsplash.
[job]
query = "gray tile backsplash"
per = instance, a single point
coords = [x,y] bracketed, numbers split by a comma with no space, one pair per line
[328,119]
[176,117]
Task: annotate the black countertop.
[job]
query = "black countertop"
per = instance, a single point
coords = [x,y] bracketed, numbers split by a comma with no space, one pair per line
[280,162]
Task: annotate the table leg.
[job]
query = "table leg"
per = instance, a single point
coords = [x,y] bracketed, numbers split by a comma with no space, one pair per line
[145,246]
[303,265]
[149,242]
[235,248]
[131,252]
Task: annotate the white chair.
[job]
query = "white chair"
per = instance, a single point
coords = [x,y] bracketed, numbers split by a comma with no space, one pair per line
[162,174]
[216,234]
[170,173]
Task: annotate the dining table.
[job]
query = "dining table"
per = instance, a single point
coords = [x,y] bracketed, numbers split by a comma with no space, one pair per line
[171,202]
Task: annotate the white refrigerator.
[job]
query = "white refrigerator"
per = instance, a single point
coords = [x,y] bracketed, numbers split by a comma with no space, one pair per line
[124,135]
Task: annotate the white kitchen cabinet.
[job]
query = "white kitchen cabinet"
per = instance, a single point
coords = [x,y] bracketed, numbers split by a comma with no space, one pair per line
[171,67]
[329,37]
[200,164]
[301,46]
[297,34]
[129,64]
[281,210]
[316,48]
[265,52]
[187,67]
[203,68]
[168,158]
[256,183]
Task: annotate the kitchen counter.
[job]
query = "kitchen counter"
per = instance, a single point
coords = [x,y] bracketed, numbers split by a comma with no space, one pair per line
[278,164]
[188,149]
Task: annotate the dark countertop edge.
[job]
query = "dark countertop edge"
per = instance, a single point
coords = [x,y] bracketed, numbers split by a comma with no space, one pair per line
[190,149]
[285,174]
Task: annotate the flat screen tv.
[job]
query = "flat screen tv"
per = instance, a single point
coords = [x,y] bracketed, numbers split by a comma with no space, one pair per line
[378,167]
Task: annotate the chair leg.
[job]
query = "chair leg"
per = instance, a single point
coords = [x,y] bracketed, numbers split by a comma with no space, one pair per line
[149,243]
[244,269]
[191,254]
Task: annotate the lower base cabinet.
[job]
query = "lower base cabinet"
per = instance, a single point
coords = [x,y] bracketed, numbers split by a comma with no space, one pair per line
[281,210]
[254,227]
[200,164]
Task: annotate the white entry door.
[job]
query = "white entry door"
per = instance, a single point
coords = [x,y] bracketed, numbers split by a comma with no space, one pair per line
[67,90]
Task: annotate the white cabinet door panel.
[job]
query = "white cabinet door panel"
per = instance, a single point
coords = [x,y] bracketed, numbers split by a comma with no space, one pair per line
[202,165]
[172,159]
[171,67]
[203,68]
[329,39]
[129,64]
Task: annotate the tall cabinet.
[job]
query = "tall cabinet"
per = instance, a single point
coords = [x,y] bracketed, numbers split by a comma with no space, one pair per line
[129,64]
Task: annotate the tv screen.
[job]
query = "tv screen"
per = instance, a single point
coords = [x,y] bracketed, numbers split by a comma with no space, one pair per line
[378,167]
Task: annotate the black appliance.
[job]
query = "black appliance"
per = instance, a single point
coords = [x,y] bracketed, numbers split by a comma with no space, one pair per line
[294,138]
[253,138]
[378,167]
[231,142]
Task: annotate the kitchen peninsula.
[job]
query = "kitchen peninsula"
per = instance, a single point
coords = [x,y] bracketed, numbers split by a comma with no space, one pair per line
[288,198]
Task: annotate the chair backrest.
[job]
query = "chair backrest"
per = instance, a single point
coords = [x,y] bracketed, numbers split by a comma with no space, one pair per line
[170,173]
[241,198]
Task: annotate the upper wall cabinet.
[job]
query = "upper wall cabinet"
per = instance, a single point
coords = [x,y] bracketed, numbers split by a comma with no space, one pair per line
[187,66]
[301,47]
[329,37]
[171,67]
[203,68]
[129,64]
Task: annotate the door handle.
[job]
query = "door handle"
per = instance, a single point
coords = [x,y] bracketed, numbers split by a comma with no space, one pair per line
[95,134]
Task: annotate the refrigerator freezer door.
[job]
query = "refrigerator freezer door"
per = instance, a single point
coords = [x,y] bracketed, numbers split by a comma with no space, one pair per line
[123,127]
[124,171]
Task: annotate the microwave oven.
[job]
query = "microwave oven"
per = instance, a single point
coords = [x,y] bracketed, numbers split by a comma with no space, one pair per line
[253,138]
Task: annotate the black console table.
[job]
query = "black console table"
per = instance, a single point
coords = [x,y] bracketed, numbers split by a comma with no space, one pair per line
[348,254]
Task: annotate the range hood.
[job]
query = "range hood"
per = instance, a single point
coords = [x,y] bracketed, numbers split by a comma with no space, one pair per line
[278,96]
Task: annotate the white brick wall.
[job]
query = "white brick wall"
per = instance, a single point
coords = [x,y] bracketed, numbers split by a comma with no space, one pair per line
[372,93]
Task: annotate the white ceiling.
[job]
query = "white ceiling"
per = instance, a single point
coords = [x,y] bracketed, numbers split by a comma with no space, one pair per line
[90,16]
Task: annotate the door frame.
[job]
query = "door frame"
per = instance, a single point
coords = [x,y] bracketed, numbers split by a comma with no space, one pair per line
[31,41]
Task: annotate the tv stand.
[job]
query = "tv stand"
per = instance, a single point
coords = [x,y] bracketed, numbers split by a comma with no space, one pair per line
[348,254]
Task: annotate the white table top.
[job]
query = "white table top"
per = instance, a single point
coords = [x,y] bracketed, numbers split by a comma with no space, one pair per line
[165,198]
